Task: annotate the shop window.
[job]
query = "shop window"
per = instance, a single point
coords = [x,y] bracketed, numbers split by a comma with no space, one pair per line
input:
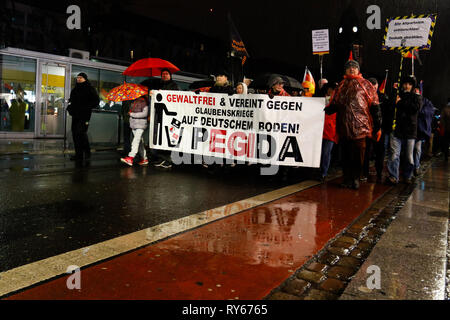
[108,81]
[17,93]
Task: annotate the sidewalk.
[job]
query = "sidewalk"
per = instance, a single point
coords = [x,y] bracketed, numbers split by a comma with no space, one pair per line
[411,255]
[42,147]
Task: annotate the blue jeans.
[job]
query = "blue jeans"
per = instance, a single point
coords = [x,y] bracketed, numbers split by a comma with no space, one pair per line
[395,147]
[417,153]
[325,157]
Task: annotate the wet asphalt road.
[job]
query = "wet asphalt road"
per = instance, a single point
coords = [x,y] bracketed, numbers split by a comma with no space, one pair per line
[49,206]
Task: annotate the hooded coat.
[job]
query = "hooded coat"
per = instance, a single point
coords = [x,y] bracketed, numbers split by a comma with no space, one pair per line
[139,114]
[352,101]
[83,98]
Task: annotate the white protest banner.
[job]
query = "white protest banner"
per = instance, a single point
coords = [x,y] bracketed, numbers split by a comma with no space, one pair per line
[320,41]
[255,128]
[412,32]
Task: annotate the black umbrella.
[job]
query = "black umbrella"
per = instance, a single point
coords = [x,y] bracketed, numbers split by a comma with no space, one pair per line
[264,81]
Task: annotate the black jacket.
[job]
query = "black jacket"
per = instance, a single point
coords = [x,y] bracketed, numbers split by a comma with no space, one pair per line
[83,99]
[222,89]
[407,110]
[167,85]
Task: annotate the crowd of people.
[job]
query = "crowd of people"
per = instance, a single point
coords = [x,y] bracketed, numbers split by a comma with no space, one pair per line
[364,123]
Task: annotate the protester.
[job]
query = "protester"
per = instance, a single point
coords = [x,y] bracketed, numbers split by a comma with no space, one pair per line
[352,100]
[241,88]
[83,98]
[444,129]
[222,85]
[330,137]
[374,144]
[276,85]
[424,120]
[404,134]
[163,157]
[166,82]
[138,124]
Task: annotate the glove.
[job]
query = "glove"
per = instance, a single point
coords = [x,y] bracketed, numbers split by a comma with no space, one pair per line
[332,108]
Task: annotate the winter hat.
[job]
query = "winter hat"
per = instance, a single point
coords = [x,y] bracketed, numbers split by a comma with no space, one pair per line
[409,79]
[351,63]
[223,73]
[275,80]
[165,69]
[82,74]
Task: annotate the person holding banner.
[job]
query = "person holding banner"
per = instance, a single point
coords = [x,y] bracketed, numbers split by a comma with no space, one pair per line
[352,101]
[166,83]
[404,132]
[222,84]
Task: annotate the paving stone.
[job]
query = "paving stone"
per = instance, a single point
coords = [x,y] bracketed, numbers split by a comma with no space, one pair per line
[375,232]
[364,246]
[338,251]
[315,294]
[358,253]
[354,234]
[358,227]
[344,245]
[283,296]
[328,258]
[317,267]
[311,276]
[296,287]
[370,239]
[348,240]
[350,262]
[332,285]
[341,273]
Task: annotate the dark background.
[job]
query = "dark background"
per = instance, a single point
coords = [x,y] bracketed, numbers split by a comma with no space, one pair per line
[194,35]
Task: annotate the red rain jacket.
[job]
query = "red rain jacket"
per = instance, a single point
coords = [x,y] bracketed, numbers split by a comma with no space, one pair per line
[352,100]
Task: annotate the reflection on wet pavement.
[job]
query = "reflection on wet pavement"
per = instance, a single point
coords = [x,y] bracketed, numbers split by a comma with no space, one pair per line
[243,256]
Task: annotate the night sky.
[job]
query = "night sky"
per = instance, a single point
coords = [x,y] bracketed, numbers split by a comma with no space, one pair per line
[280,31]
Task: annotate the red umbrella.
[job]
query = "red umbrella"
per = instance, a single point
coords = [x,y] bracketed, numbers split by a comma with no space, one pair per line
[149,67]
[127,91]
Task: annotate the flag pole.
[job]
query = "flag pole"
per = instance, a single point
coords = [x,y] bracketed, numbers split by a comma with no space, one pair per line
[412,61]
[321,64]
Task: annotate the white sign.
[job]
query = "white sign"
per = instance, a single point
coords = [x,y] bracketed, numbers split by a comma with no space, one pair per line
[254,128]
[321,42]
[413,32]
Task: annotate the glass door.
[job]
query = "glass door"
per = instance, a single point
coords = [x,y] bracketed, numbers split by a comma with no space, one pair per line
[52,99]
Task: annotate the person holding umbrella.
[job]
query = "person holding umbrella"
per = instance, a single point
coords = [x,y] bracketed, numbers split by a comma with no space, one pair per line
[134,99]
